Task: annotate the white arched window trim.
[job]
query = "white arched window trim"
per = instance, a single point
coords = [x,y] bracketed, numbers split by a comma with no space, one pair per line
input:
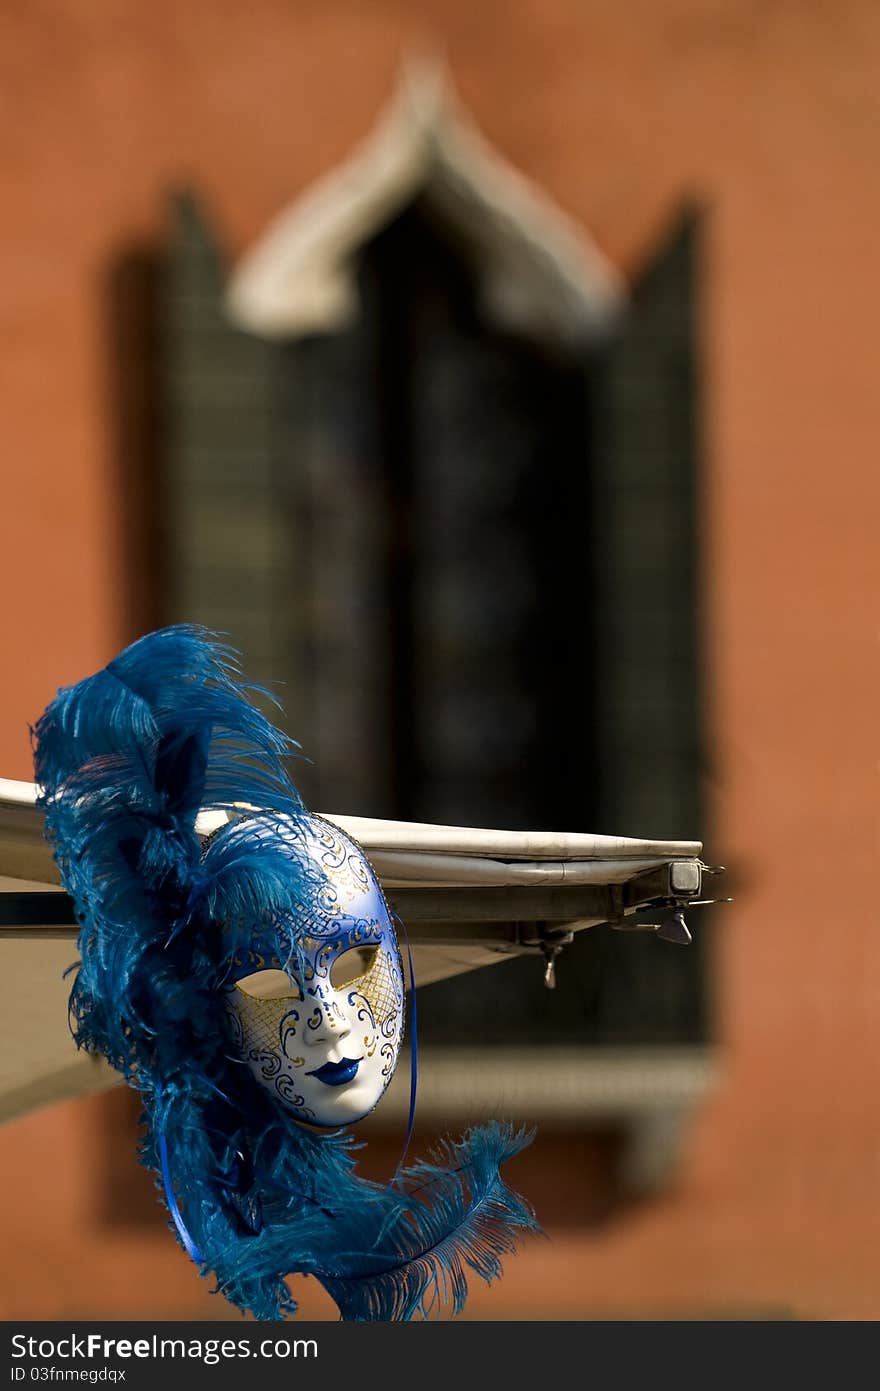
[538,273]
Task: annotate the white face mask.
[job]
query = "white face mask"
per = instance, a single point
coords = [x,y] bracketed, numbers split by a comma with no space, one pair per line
[323,1035]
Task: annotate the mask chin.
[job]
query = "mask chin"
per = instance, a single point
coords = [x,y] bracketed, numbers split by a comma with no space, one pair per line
[324,1038]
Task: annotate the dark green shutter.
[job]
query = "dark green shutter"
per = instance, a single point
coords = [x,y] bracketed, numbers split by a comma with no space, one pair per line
[227,542]
[649,725]
[647,690]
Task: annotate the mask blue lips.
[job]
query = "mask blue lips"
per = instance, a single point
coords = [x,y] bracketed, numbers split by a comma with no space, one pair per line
[337,1074]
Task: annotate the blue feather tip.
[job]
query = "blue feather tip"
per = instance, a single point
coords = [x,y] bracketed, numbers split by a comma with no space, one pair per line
[124,761]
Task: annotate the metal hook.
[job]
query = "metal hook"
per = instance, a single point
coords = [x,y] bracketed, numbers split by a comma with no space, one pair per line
[551,950]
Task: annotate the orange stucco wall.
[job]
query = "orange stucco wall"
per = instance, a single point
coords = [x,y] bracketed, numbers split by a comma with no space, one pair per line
[770,115]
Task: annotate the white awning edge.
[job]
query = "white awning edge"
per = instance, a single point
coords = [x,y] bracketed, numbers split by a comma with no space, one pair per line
[403,853]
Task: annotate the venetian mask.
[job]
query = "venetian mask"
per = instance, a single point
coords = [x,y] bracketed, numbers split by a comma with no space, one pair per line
[321,1029]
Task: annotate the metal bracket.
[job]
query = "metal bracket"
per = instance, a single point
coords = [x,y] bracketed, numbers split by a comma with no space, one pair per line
[672,887]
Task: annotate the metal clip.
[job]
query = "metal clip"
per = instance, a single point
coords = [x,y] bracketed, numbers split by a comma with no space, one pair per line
[675,929]
[551,951]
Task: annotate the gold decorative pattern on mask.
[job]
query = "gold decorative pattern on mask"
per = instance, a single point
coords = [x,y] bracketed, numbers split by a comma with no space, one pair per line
[267,1024]
[377,985]
[345,868]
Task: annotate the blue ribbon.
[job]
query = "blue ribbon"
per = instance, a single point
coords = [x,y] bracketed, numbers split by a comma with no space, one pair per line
[189,1245]
[414,1051]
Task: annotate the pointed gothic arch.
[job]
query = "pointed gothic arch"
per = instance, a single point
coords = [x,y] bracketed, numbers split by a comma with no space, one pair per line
[539,274]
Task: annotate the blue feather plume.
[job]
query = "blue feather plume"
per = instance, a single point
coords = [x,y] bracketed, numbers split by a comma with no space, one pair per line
[455,1216]
[124,761]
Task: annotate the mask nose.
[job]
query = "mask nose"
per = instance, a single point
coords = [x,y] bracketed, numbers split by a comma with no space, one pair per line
[326,1023]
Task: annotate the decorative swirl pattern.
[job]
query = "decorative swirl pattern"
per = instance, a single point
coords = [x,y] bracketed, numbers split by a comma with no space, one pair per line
[269,1062]
[324,960]
[285,1086]
[388,1052]
[287,1029]
[252,961]
[333,852]
[328,902]
[363,1009]
[359,871]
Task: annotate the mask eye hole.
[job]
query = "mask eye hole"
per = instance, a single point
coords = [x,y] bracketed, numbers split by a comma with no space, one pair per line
[269,985]
[351,965]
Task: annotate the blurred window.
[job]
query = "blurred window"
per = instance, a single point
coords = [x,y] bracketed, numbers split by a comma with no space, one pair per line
[472,564]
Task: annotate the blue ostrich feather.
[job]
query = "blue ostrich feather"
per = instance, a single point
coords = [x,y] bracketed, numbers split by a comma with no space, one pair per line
[455,1217]
[124,761]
